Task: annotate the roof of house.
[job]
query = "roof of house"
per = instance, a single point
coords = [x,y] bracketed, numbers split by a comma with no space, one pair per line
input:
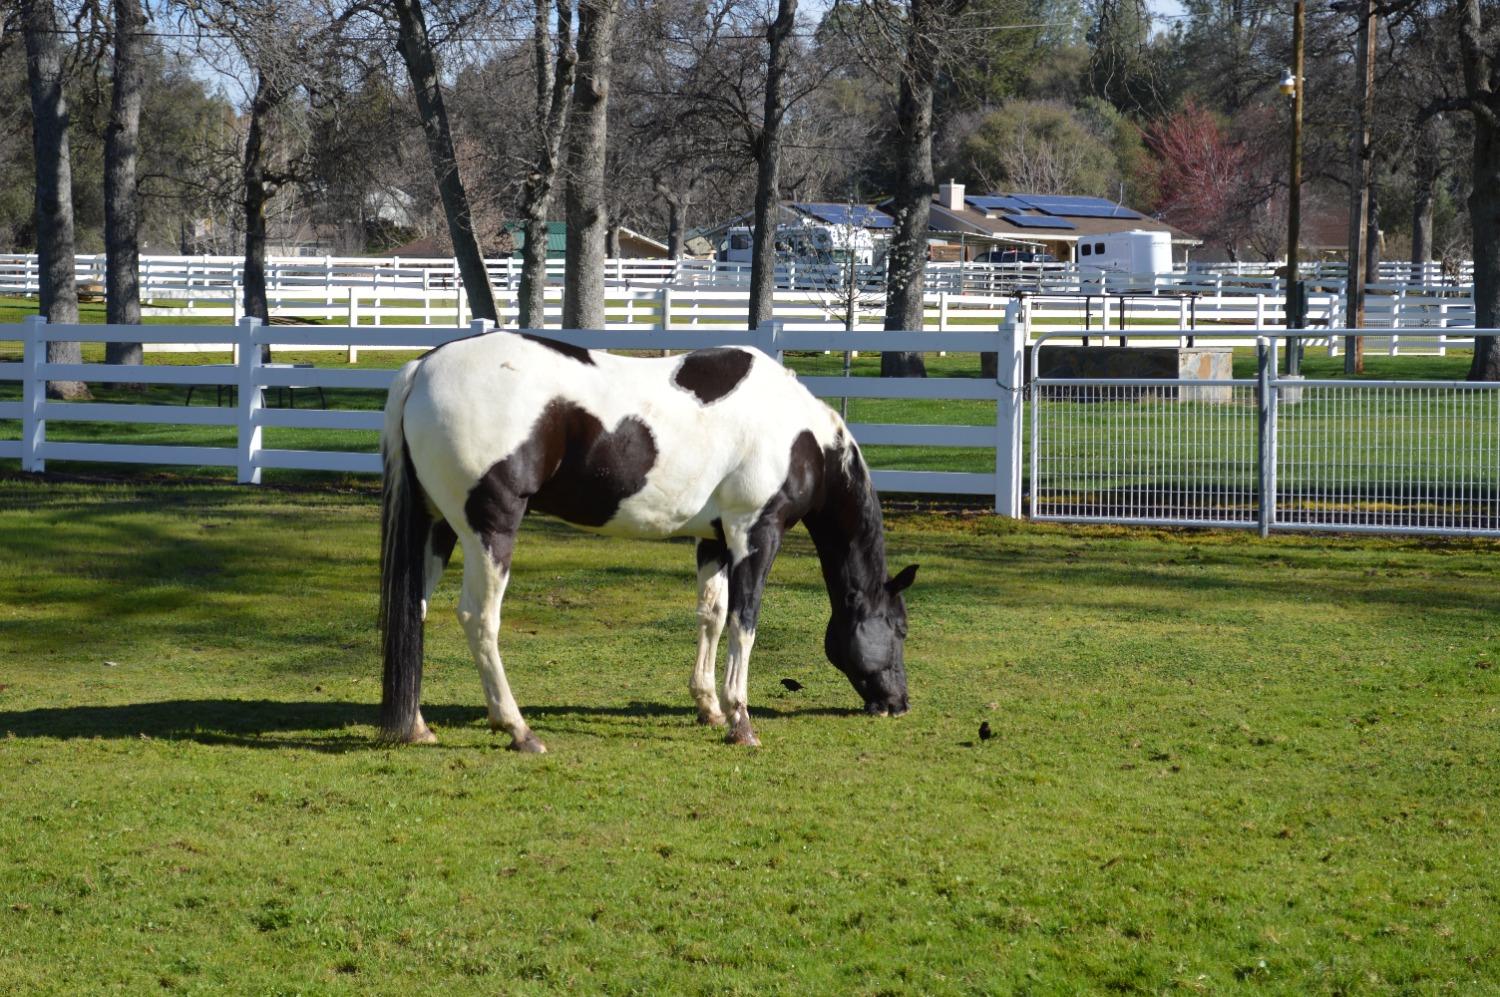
[834,213]
[1043,218]
[557,238]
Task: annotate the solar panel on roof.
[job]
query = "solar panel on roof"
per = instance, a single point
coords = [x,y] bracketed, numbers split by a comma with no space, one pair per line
[1093,211]
[858,215]
[1078,206]
[1039,221]
[1045,200]
[995,202]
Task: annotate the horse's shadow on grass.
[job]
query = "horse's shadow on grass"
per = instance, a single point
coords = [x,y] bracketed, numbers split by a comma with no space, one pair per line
[318,726]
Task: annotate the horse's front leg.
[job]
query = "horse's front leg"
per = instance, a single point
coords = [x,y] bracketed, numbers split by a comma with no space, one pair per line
[747,583]
[485,578]
[713,609]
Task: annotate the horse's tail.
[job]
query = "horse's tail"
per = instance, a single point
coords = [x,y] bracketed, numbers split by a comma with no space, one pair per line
[404,526]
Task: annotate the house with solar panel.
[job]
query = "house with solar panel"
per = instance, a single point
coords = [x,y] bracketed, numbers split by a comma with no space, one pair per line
[1090,232]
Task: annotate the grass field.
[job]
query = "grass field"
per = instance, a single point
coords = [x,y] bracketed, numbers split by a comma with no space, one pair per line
[1221,764]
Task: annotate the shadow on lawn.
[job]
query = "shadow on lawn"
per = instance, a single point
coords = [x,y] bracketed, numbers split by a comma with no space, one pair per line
[265,723]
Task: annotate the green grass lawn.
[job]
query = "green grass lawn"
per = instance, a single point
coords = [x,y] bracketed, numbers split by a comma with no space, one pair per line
[1221,764]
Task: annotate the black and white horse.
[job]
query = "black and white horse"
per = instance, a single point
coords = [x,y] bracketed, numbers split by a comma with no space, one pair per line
[723,445]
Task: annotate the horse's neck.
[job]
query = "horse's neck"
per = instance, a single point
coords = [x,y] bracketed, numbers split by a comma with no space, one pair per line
[848,531]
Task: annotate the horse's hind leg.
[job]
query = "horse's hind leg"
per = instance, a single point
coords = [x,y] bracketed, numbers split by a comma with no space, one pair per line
[485,578]
[713,609]
[440,541]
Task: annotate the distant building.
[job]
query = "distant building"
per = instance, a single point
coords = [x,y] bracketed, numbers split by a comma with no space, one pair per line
[834,213]
[964,226]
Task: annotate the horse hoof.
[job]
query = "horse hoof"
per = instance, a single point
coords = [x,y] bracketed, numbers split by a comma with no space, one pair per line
[742,734]
[422,735]
[530,744]
[712,720]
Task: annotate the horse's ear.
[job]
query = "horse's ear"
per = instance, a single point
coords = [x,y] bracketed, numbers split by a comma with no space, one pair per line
[903,580]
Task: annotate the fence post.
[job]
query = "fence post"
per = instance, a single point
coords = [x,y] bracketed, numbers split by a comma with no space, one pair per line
[766,336]
[1265,437]
[1010,375]
[250,401]
[354,322]
[33,393]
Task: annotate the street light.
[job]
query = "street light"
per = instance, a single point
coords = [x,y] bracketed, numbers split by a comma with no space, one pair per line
[1292,85]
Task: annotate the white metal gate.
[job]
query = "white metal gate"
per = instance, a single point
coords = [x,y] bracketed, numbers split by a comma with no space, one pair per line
[1266,452]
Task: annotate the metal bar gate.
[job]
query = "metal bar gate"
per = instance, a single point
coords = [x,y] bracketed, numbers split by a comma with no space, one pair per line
[1267,452]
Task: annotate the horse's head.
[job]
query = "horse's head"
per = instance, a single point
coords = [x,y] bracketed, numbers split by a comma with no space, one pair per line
[865,643]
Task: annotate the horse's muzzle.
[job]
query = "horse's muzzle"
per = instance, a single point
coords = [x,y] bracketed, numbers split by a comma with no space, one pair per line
[893,707]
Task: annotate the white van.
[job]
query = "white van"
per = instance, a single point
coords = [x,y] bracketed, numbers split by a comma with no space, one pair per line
[1136,251]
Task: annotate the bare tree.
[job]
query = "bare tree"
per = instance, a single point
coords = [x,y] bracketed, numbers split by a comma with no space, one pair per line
[1480,45]
[554,64]
[54,182]
[767,146]
[906,261]
[415,46]
[587,207]
[122,199]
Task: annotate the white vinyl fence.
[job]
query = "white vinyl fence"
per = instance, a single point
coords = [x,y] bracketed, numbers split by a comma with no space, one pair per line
[187,278]
[250,416]
[1269,452]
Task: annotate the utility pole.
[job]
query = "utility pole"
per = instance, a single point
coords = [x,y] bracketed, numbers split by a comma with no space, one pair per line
[1296,301]
[1359,190]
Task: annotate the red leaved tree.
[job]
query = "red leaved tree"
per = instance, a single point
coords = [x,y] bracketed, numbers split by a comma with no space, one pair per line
[1210,182]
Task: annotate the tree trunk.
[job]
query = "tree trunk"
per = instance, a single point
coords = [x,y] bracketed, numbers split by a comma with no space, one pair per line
[122,247]
[676,228]
[768,167]
[906,261]
[612,240]
[552,86]
[588,217]
[54,185]
[532,297]
[1422,197]
[415,47]
[1483,90]
[677,205]
[257,195]
[1484,214]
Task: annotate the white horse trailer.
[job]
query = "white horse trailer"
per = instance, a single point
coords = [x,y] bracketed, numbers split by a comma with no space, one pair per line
[1136,251]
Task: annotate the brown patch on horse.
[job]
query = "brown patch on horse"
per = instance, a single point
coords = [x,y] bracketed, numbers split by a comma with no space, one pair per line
[570,466]
[566,349]
[712,374]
